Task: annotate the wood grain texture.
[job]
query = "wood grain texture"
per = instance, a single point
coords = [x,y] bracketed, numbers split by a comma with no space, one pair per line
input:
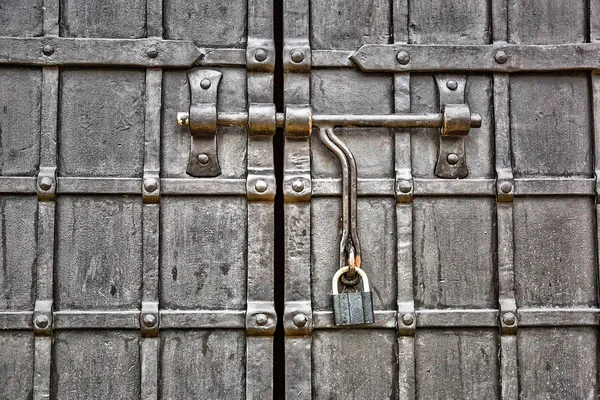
[21,18]
[98,262]
[208,364]
[18,252]
[203,247]
[96,365]
[107,18]
[16,365]
[103,134]
[20,107]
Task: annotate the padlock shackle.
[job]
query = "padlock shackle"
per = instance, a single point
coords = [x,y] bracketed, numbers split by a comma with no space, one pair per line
[343,270]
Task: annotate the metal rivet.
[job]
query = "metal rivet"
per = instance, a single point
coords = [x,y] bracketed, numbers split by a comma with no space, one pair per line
[261,186]
[509,318]
[452,85]
[501,57]
[152,52]
[149,320]
[298,186]
[403,57]
[408,319]
[45,183]
[203,158]
[260,55]
[205,83]
[506,187]
[405,186]
[183,119]
[452,158]
[300,320]
[150,185]
[297,56]
[261,319]
[48,50]
[42,321]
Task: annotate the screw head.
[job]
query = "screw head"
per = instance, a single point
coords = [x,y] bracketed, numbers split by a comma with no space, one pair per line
[45,183]
[149,320]
[452,85]
[261,319]
[405,186]
[42,321]
[506,187]
[298,186]
[48,50]
[300,320]
[260,55]
[403,57]
[261,186]
[203,158]
[501,57]
[150,185]
[408,319]
[452,158]
[152,52]
[205,83]
[297,56]
[509,318]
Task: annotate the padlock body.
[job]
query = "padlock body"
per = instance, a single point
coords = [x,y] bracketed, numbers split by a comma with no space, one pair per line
[353,308]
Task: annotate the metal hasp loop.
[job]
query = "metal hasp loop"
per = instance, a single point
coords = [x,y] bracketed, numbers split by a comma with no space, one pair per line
[202,122]
[349,243]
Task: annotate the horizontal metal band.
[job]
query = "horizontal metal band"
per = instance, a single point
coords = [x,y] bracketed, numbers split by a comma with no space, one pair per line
[182,319]
[16,320]
[383,319]
[18,184]
[457,318]
[48,51]
[203,186]
[454,187]
[332,58]
[67,185]
[549,187]
[96,319]
[491,58]
[366,187]
[558,317]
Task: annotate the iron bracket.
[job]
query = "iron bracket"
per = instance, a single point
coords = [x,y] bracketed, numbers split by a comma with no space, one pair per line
[261,318]
[149,318]
[508,317]
[46,184]
[297,318]
[42,317]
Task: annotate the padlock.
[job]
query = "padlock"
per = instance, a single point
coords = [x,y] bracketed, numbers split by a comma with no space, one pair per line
[353,308]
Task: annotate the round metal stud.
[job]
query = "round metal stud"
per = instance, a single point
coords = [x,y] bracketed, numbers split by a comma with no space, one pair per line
[261,319]
[452,158]
[506,187]
[149,320]
[298,186]
[509,318]
[405,186]
[297,56]
[403,57]
[203,158]
[42,321]
[452,85]
[261,186]
[300,320]
[408,319]
[205,83]
[48,50]
[501,57]
[150,185]
[45,183]
[260,55]
[152,52]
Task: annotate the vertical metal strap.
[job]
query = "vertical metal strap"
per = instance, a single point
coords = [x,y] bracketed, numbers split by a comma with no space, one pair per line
[150,316]
[504,214]
[260,316]
[404,216]
[46,190]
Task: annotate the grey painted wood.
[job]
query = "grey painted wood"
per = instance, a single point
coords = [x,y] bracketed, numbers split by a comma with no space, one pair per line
[558,363]
[555,246]
[101,135]
[355,364]
[21,18]
[96,365]
[20,104]
[16,365]
[453,250]
[18,218]
[203,248]
[457,364]
[98,261]
[202,364]
[106,19]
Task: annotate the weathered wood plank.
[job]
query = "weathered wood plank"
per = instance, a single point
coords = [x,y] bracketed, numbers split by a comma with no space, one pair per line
[16,364]
[21,18]
[106,19]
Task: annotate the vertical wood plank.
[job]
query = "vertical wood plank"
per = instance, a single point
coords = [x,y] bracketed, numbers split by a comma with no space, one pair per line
[154,18]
